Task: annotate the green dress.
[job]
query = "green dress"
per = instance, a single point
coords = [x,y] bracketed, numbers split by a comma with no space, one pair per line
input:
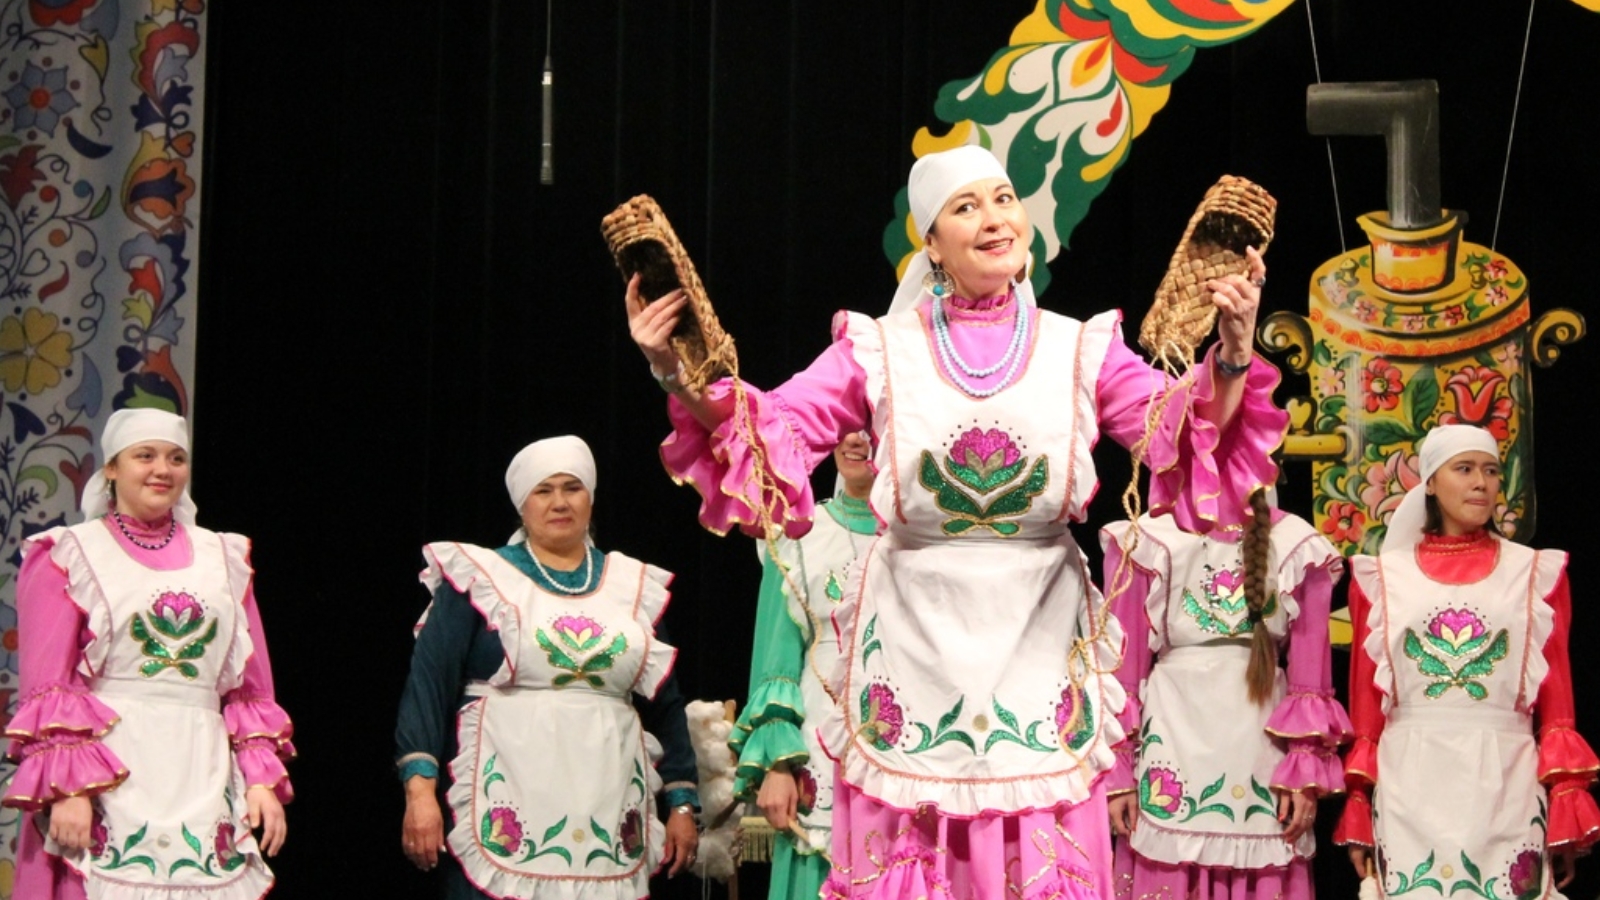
[795,646]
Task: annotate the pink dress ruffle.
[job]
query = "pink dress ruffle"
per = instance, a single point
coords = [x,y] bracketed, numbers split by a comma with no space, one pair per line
[56,738]
[888,854]
[721,464]
[63,766]
[1207,477]
[1310,766]
[261,733]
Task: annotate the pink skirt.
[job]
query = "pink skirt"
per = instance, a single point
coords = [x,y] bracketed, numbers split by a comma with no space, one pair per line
[1138,878]
[1060,853]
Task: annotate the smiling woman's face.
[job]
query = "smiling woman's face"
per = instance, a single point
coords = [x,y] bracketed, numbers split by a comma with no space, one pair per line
[981,238]
[150,477]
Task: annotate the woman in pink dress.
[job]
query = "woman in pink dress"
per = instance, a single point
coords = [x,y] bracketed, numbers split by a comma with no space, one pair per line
[975,707]
[148,741]
[1228,751]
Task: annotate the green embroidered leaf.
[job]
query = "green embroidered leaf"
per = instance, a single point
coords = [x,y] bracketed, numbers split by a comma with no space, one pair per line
[1476,690]
[154,648]
[601,854]
[1000,737]
[1019,499]
[1004,528]
[134,838]
[866,639]
[490,782]
[145,861]
[1483,664]
[137,629]
[558,851]
[488,764]
[551,832]
[956,526]
[1464,885]
[1438,689]
[1472,870]
[564,680]
[558,657]
[192,841]
[1006,716]
[1033,741]
[600,832]
[1421,870]
[185,864]
[949,718]
[197,647]
[970,477]
[1264,810]
[1427,663]
[188,670]
[1213,808]
[960,737]
[152,668]
[946,496]
[1212,788]
[1428,882]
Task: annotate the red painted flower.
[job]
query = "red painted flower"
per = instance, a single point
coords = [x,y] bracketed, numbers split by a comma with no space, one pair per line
[1474,388]
[1453,315]
[1496,295]
[1382,384]
[1344,523]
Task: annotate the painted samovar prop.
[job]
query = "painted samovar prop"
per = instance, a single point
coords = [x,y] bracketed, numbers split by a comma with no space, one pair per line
[1420,327]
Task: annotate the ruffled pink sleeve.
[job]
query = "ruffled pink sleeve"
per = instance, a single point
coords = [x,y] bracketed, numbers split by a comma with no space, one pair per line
[796,426]
[1128,592]
[1200,473]
[1309,718]
[259,728]
[1567,764]
[55,734]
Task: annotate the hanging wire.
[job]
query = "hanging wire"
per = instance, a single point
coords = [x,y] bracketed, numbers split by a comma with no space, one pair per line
[1316,65]
[547,171]
[1505,173]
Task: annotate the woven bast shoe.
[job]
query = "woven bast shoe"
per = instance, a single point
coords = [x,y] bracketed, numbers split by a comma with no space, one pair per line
[642,241]
[1235,213]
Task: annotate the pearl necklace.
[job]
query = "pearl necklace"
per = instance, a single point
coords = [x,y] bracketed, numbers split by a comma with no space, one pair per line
[953,365]
[172,531]
[588,573]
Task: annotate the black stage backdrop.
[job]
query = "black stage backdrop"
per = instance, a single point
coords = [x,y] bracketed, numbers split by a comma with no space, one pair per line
[393,304]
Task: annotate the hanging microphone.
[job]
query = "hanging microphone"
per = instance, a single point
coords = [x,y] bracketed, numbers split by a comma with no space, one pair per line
[547,172]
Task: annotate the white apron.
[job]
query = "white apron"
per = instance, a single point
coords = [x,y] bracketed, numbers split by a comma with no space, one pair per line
[1458,809]
[1204,774]
[957,627]
[168,646]
[552,792]
[818,564]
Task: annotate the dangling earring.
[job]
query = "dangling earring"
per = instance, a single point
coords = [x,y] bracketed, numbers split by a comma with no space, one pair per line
[939,283]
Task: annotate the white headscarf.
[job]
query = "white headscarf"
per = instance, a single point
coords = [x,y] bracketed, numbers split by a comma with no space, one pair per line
[935,178]
[1441,444]
[125,428]
[565,455]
